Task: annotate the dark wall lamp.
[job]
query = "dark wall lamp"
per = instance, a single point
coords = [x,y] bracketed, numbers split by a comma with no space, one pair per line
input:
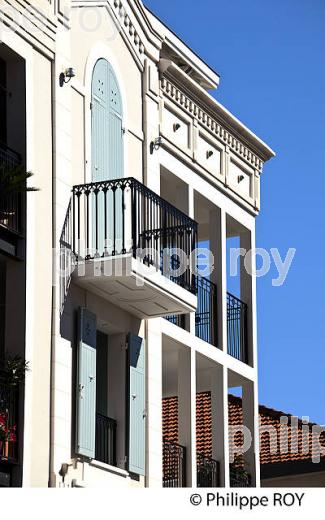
[66,76]
[156,144]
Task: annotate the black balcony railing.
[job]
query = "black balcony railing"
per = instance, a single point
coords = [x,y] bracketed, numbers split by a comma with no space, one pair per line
[177,319]
[123,216]
[237,328]
[174,465]
[10,203]
[206,319]
[105,446]
[208,471]
[8,157]
[8,419]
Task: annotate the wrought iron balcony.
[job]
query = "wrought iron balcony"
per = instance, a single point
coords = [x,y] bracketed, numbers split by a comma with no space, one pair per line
[174,465]
[105,446]
[208,471]
[237,328]
[8,157]
[112,223]
[8,419]
[10,203]
[206,324]
[177,319]
[206,319]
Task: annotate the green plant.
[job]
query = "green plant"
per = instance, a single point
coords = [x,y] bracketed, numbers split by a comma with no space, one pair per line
[238,468]
[15,370]
[14,180]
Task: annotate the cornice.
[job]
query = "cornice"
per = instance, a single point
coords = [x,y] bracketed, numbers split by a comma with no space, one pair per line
[131,21]
[197,109]
[37,25]
[129,27]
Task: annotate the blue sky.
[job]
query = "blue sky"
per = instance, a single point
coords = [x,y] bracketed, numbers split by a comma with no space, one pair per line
[270,56]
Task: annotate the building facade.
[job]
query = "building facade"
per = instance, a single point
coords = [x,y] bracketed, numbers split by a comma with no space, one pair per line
[138,168]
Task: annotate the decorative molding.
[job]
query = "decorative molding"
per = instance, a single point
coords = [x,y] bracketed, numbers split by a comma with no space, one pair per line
[122,23]
[36,25]
[182,100]
[129,28]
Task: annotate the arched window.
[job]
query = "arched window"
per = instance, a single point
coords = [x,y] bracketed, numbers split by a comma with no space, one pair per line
[106,124]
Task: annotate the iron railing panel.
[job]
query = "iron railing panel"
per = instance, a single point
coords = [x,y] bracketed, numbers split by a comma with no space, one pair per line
[237,328]
[105,444]
[122,216]
[208,471]
[177,319]
[174,465]
[10,203]
[206,318]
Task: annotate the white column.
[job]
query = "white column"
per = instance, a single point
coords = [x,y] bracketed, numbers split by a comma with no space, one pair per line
[253,323]
[154,404]
[246,285]
[38,271]
[250,420]
[187,410]
[250,392]
[191,213]
[219,275]
[62,360]
[219,413]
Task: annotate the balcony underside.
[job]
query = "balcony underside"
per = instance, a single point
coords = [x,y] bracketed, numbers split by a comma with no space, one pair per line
[128,283]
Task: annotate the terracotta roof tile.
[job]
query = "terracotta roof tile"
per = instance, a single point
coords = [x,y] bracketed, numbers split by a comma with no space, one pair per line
[301,439]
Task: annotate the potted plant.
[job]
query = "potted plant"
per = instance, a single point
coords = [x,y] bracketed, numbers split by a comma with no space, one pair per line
[13,373]
[3,434]
[7,436]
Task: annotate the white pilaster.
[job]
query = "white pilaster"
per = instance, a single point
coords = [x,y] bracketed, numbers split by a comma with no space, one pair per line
[187,410]
[250,420]
[219,276]
[246,281]
[219,413]
[154,404]
[191,213]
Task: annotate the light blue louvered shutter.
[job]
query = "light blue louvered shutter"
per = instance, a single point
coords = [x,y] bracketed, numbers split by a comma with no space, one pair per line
[100,122]
[115,155]
[107,153]
[137,404]
[115,128]
[99,148]
[86,384]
